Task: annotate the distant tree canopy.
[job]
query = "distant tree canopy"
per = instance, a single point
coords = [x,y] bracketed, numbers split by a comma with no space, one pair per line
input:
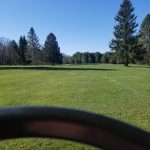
[8,52]
[83,58]
[67,59]
[12,53]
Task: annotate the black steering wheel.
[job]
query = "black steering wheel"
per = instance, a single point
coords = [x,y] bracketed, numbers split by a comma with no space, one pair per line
[75,125]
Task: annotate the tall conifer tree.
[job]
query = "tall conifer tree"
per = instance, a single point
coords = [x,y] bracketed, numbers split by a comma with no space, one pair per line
[124,31]
[52,50]
[22,50]
[33,47]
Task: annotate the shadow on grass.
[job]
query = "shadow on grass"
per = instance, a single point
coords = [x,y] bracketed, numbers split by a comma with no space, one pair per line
[139,66]
[53,68]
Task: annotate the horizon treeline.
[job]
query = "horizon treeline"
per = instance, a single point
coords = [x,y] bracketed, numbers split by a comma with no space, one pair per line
[28,50]
[127,46]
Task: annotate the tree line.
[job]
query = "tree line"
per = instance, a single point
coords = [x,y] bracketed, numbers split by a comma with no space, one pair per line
[127,46]
[28,51]
[87,57]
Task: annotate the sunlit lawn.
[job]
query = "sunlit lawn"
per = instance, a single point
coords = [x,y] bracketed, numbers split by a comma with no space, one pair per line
[112,90]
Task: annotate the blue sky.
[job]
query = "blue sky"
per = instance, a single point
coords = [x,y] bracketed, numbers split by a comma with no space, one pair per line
[79,25]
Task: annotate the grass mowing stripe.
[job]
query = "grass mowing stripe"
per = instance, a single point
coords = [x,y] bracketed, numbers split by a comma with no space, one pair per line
[113,90]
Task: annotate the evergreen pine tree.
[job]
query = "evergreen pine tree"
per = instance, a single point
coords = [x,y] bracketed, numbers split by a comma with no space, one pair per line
[137,51]
[52,50]
[22,49]
[124,30]
[33,47]
[145,36]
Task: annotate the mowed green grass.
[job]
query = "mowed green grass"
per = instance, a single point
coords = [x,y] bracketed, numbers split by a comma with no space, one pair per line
[113,90]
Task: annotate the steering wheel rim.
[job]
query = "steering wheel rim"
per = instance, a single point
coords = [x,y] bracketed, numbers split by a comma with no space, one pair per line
[75,125]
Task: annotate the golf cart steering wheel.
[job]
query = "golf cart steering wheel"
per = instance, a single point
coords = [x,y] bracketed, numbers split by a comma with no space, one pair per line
[52,122]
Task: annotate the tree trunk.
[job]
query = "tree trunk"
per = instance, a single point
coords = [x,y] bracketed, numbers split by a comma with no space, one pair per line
[126,59]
